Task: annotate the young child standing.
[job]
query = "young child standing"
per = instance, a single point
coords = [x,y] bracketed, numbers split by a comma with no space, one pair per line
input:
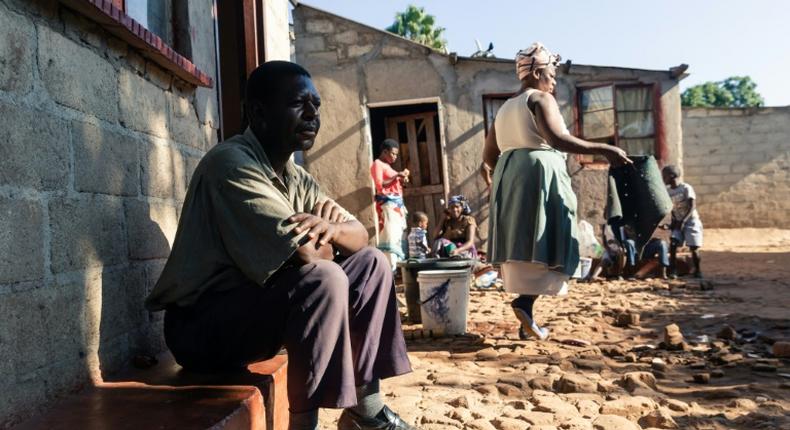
[418,236]
[686,225]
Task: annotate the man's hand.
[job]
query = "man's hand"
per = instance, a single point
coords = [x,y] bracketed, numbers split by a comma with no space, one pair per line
[329,211]
[311,252]
[316,227]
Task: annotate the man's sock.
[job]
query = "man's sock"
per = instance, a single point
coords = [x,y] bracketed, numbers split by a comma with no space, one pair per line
[303,420]
[369,402]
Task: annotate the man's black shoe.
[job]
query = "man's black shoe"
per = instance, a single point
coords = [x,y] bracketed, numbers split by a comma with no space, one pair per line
[385,420]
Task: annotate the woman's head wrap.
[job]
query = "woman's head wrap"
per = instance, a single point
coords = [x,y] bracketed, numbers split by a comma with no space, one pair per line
[533,58]
[460,200]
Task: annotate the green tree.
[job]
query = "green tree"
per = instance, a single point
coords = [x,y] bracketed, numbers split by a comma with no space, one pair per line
[736,91]
[415,24]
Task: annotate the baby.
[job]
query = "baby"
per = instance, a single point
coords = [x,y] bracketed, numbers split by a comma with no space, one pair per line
[418,236]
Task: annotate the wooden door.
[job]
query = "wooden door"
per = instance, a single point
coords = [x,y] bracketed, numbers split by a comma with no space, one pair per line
[240,37]
[421,153]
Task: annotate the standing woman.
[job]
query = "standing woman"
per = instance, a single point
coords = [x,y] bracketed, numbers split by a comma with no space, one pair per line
[389,201]
[532,226]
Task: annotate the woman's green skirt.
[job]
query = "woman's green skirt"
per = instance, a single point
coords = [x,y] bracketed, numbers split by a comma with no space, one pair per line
[533,211]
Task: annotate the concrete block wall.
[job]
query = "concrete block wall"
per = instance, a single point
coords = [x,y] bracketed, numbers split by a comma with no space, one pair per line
[738,161]
[96,148]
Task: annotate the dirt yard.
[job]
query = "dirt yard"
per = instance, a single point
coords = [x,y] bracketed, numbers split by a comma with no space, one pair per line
[609,364]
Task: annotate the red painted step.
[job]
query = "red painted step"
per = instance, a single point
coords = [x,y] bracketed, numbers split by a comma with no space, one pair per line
[134,406]
[169,397]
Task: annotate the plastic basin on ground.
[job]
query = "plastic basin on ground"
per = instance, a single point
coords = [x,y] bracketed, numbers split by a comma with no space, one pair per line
[410,269]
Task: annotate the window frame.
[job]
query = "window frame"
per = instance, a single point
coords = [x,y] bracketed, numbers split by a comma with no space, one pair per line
[659,144]
[111,15]
[123,6]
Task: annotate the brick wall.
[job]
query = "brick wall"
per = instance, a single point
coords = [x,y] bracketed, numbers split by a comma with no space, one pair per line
[738,161]
[96,148]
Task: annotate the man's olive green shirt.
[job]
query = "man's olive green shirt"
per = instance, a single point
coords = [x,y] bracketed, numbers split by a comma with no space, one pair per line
[233,228]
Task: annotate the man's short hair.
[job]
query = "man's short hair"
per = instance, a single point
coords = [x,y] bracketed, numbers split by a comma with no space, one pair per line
[388,144]
[419,216]
[267,78]
[672,171]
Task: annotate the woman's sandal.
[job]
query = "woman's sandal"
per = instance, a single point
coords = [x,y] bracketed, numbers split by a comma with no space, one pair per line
[528,326]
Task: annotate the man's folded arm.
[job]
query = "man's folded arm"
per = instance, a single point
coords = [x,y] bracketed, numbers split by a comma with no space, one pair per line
[352,235]
[253,224]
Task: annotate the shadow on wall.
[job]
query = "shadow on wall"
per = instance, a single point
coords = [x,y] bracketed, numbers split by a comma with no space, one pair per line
[126,328]
[468,134]
[114,241]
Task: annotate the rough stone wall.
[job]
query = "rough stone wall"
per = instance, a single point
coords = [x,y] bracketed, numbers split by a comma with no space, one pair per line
[738,161]
[96,148]
[353,65]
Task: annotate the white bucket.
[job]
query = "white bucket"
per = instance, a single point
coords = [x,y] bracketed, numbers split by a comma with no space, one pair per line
[584,268]
[444,298]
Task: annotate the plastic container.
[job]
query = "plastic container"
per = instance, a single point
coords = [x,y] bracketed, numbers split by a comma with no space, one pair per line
[444,299]
[487,279]
[410,269]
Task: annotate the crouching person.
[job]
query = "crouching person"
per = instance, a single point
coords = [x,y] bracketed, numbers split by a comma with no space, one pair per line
[263,259]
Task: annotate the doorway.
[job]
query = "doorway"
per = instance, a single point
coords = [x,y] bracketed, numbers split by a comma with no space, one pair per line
[417,129]
[240,49]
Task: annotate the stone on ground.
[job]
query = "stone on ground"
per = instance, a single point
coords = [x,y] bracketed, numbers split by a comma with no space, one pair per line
[660,418]
[480,424]
[504,423]
[673,338]
[676,405]
[633,380]
[570,383]
[781,349]
[632,408]
[576,423]
[614,422]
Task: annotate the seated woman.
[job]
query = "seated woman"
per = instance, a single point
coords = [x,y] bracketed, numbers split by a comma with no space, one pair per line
[455,236]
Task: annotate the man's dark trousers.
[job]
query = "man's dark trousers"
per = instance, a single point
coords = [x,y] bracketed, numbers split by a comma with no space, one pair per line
[338,320]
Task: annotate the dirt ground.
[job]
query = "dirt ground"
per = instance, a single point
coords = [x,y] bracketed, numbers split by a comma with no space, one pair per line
[602,369]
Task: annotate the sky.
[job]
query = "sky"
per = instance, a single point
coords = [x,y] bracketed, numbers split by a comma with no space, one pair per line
[716,38]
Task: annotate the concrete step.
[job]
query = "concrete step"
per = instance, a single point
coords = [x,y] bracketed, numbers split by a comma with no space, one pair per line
[135,406]
[167,396]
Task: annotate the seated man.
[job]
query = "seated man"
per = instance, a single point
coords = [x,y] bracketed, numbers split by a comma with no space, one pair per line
[263,259]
